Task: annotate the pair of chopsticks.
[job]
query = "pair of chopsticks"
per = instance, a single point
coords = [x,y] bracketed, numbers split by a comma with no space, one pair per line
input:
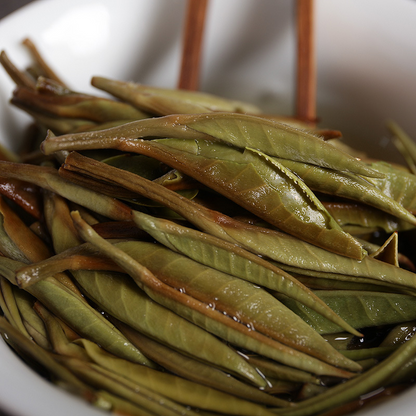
[305,77]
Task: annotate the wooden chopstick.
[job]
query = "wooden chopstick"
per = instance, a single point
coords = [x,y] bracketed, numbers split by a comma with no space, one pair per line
[306,69]
[192,44]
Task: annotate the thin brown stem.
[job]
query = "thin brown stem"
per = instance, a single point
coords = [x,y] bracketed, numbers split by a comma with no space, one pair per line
[306,70]
[192,44]
[19,77]
[47,70]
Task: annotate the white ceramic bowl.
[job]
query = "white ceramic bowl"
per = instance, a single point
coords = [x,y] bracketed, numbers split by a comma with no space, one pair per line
[366,59]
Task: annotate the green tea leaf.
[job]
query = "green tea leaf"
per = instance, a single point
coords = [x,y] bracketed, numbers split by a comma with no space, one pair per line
[195,370]
[134,93]
[73,310]
[360,309]
[120,297]
[349,186]
[258,184]
[142,396]
[231,259]
[173,387]
[201,313]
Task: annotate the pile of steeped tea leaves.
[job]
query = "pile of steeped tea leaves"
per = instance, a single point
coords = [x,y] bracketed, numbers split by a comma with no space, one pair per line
[169,252]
